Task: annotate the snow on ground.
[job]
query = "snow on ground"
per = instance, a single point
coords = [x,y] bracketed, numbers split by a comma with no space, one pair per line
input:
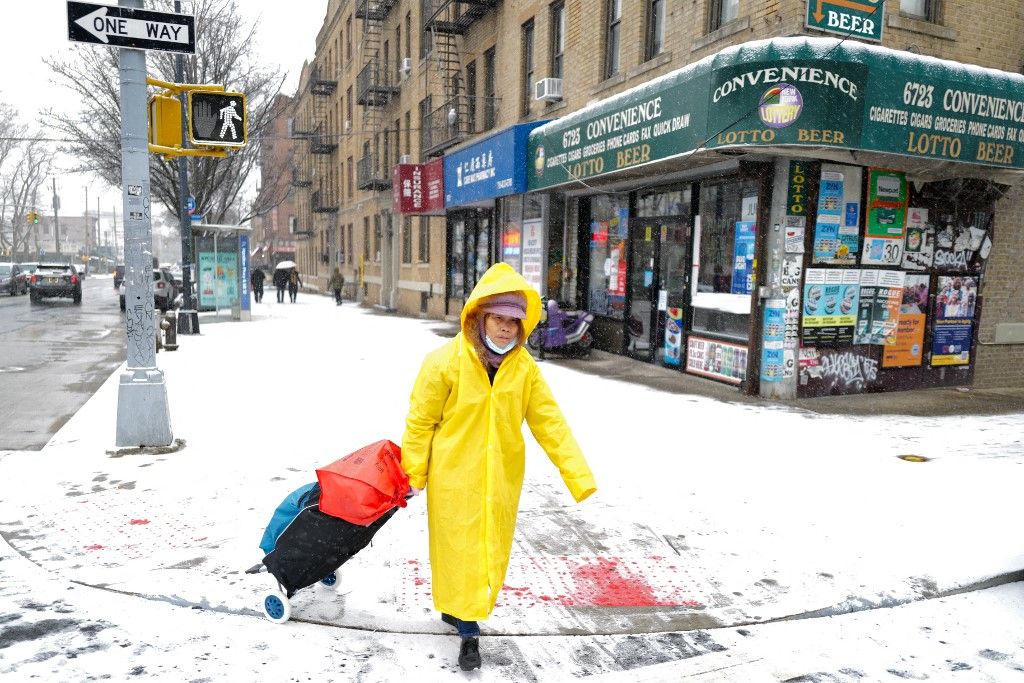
[726,514]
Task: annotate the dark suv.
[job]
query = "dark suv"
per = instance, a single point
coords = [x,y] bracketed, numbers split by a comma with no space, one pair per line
[12,279]
[55,279]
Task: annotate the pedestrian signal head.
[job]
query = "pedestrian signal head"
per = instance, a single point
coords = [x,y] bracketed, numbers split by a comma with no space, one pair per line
[217,118]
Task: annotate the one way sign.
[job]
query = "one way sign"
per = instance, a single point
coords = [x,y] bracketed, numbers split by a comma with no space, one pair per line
[128,27]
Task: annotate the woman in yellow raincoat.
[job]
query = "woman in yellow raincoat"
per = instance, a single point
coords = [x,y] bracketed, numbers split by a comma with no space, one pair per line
[463,439]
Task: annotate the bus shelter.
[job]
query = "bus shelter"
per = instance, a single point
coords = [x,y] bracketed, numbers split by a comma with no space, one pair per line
[221,257]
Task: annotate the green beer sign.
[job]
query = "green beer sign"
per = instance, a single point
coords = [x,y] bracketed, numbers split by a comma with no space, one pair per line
[862,19]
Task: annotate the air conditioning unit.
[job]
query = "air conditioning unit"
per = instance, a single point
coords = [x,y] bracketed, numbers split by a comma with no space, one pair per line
[348,126]
[548,89]
[405,159]
[406,67]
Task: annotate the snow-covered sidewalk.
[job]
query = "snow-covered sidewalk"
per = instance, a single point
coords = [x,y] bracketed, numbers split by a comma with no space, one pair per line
[708,515]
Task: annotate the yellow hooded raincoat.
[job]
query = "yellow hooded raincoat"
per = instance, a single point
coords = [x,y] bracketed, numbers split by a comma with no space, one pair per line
[463,440]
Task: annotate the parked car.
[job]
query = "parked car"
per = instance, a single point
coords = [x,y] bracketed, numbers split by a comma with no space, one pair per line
[28,267]
[55,279]
[118,277]
[12,279]
[164,291]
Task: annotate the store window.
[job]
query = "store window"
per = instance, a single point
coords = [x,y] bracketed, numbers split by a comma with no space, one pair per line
[725,248]
[406,239]
[366,238]
[376,237]
[424,240]
[609,228]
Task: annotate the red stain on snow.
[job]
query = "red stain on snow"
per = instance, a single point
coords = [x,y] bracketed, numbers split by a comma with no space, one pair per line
[136,522]
[94,546]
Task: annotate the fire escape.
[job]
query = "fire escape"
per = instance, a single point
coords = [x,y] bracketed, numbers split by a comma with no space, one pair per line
[322,143]
[448,124]
[375,90]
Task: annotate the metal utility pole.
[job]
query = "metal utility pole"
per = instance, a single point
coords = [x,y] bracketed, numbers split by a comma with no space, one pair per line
[88,231]
[188,317]
[113,230]
[143,414]
[56,217]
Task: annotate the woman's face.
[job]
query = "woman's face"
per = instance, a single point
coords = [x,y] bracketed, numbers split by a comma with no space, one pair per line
[502,329]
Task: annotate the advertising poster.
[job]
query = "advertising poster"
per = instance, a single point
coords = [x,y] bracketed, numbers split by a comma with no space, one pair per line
[533,253]
[227,279]
[881,293]
[919,246]
[207,281]
[743,258]
[954,319]
[795,227]
[830,306]
[837,226]
[773,359]
[715,359]
[905,348]
[511,245]
[673,336]
[887,218]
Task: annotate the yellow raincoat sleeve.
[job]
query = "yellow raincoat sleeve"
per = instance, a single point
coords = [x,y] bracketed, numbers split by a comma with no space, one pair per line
[552,432]
[426,407]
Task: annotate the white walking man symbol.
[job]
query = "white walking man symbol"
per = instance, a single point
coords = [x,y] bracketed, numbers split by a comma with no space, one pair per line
[228,115]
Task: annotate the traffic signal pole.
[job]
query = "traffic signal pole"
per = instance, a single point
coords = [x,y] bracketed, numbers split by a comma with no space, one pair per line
[188,317]
[143,413]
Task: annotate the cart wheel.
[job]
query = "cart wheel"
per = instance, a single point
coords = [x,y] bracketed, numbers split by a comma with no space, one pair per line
[330,579]
[276,607]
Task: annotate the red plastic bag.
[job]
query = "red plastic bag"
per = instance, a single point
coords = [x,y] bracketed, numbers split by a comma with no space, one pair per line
[365,484]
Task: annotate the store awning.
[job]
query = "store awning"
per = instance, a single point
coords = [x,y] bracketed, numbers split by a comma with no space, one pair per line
[799,96]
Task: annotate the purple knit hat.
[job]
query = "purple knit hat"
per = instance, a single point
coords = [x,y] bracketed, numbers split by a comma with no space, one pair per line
[511,304]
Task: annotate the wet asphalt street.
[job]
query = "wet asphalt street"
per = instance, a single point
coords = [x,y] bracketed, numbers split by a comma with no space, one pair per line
[53,357]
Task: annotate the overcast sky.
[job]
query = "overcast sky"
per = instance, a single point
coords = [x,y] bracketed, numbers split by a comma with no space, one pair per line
[34,30]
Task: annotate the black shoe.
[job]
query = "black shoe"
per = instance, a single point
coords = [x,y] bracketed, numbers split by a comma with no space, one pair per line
[449,619]
[469,654]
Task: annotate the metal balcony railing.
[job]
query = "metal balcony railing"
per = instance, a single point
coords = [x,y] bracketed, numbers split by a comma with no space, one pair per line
[446,126]
[299,179]
[374,10]
[369,175]
[373,86]
[321,203]
[456,16]
[320,143]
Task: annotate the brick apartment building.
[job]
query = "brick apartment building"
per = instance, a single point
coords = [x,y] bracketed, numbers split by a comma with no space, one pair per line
[798,198]
[275,226]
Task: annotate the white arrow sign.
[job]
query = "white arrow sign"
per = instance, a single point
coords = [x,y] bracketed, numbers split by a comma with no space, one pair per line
[101,25]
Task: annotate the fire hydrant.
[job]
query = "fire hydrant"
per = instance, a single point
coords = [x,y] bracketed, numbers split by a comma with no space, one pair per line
[169,324]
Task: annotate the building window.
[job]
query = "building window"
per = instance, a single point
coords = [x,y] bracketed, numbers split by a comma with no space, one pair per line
[424,125]
[928,10]
[611,39]
[489,92]
[426,39]
[376,237]
[348,176]
[471,95]
[366,238]
[348,109]
[351,244]
[655,29]
[408,35]
[408,133]
[406,239]
[398,53]
[722,12]
[424,241]
[398,141]
[527,68]
[557,39]
[348,39]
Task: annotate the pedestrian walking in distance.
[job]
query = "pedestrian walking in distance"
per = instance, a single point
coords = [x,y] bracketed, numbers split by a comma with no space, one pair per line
[463,442]
[336,282]
[294,282]
[281,282]
[256,280]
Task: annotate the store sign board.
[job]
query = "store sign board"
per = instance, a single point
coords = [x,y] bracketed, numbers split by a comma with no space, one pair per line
[418,188]
[493,167]
[794,91]
[861,19]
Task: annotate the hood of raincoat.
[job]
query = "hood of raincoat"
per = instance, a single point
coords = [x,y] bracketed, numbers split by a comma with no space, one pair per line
[502,278]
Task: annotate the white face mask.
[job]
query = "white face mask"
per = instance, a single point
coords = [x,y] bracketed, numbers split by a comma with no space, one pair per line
[500,349]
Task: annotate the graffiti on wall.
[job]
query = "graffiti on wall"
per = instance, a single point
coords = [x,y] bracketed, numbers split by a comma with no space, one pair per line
[849,370]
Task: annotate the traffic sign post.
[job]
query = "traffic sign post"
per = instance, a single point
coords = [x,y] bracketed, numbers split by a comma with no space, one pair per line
[131,26]
[217,118]
[861,19]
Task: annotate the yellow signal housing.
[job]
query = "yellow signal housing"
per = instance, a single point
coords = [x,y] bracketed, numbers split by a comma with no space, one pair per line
[164,121]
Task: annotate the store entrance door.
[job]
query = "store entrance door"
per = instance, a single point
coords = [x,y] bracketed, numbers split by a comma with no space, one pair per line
[643,290]
[659,289]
